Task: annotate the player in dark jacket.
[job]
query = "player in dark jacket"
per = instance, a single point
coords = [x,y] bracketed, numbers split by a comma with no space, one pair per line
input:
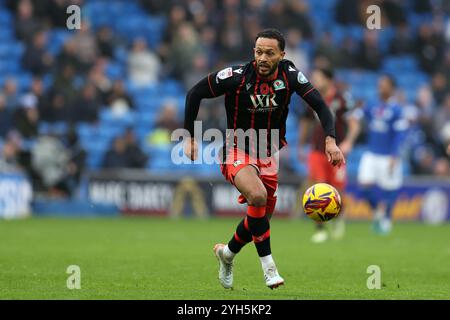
[257,97]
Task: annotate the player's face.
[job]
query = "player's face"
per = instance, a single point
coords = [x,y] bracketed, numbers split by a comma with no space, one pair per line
[267,56]
[385,88]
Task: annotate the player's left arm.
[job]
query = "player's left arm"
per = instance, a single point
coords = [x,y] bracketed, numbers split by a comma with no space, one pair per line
[308,93]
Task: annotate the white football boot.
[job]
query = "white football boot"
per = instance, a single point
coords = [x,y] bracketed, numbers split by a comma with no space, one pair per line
[272,278]
[319,236]
[225,267]
[385,226]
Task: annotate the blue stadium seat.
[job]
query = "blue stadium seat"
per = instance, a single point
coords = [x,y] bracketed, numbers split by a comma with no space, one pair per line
[23,81]
[16,49]
[401,64]
[27,144]
[57,38]
[44,128]
[147,119]
[10,66]
[94,159]
[107,117]
[97,144]
[385,35]
[108,132]
[141,132]
[58,128]
[140,91]
[121,55]
[417,20]
[5,17]
[6,34]
[159,157]
[114,70]
[356,32]
[171,87]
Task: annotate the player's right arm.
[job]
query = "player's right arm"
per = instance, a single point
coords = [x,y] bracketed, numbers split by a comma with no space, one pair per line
[213,85]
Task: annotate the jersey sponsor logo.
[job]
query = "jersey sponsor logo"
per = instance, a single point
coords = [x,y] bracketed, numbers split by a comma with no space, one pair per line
[278,85]
[264,100]
[301,78]
[225,73]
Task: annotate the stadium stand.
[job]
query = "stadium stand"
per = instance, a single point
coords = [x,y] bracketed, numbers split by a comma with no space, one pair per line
[206,29]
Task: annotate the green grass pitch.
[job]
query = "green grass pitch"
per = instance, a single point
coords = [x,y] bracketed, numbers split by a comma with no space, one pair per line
[156,258]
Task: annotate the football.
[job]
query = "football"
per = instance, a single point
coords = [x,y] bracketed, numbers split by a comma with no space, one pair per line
[322,202]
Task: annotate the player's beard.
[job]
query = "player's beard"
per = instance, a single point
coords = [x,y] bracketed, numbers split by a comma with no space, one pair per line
[269,73]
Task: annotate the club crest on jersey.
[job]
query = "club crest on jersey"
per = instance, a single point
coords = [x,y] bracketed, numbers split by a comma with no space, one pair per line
[278,85]
[301,78]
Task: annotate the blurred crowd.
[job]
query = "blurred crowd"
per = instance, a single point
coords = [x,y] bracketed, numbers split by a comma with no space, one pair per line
[72,86]
[208,35]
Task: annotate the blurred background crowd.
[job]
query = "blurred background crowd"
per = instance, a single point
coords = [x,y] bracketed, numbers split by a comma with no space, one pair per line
[110,94]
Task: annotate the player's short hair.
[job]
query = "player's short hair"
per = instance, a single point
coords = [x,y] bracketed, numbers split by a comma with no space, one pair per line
[390,78]
[327,72]
[273,34]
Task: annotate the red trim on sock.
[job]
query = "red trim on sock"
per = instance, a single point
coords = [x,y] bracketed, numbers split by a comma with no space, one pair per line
[261,238]
[256,212]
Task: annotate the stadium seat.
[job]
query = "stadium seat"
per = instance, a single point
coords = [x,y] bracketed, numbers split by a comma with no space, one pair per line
[171,87]
[107,117]
[108,132]
[114,70]
[23,81]
[58,128]
[401,64]
[147,119]
[56,40]
[6,18]
[10,66]
[95,159]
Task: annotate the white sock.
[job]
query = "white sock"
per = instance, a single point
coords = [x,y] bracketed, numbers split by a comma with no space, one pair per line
[228,254]
[267,261]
